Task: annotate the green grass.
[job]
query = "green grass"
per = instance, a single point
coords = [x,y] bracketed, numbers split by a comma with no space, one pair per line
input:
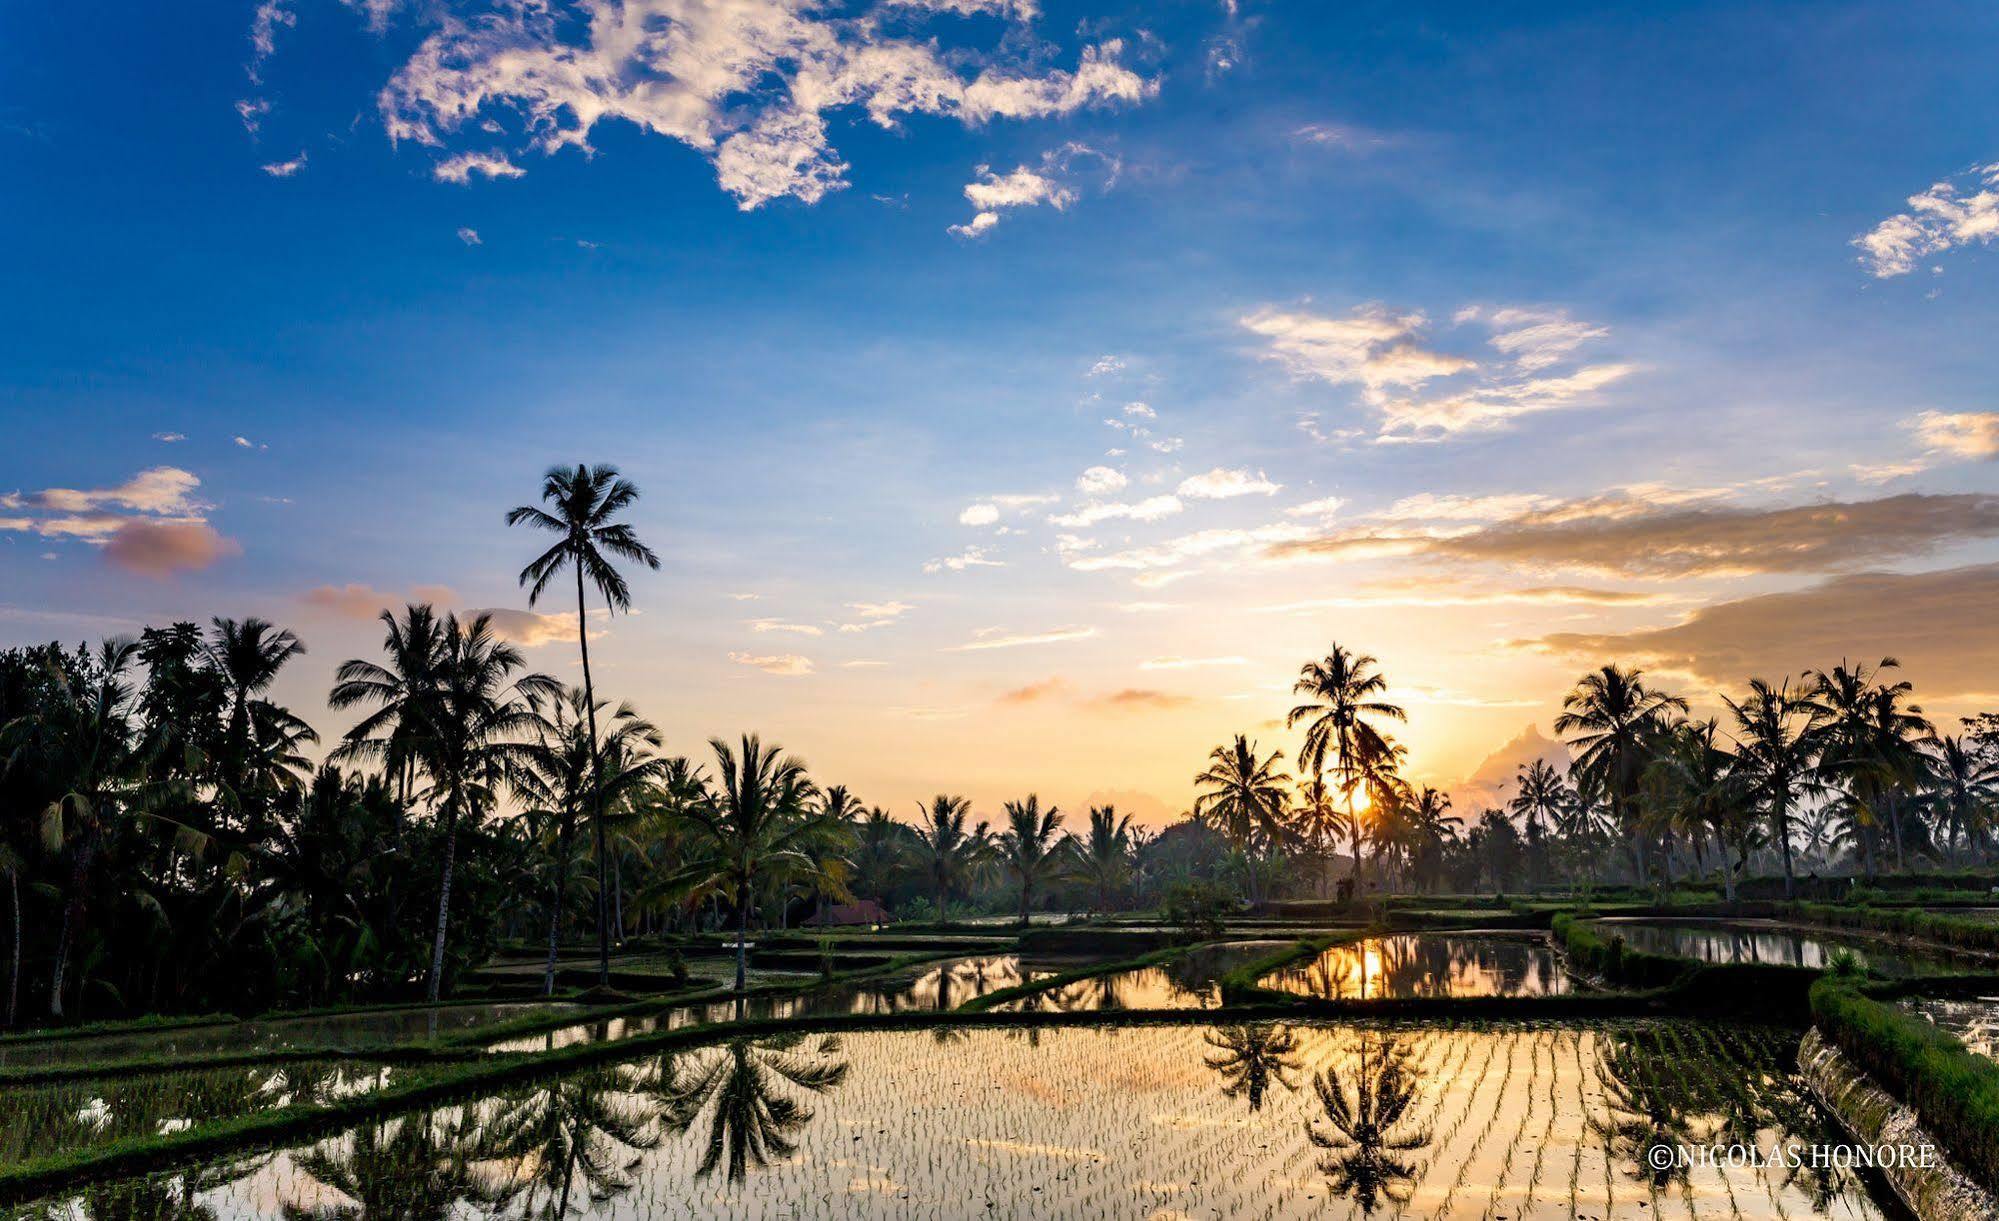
[1954,1091]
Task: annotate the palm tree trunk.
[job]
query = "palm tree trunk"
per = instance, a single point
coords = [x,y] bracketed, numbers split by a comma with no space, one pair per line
[72,916]
[560,900]
[618,889]
[742,932]
[596,794]
[1895,822]
[1780,819]
[1026,889]
[436,983]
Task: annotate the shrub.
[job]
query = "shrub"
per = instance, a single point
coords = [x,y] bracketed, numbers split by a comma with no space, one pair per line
[1196,910]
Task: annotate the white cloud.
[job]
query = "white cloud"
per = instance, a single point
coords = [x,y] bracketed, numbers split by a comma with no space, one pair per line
[1101,481]
[1323,507]
[1496,404]
[1000,638]
[1151,509]
[252,111]
[1536,339]
[469,236]
[1224,484]
[1190,663]
[1937,220]
[875,615]
[1970,434]
[1346,137]
[778,625]
[285,169]
[170,437]
[1142,411]
[785,665]
[1105,366]
[1177,551]
[747,84]
[970,557]
[459,169]
[1428,506]
[979,515]
[991,193]
[1372,347]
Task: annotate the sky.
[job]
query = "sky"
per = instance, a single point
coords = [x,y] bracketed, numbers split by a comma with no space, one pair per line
[1020,392]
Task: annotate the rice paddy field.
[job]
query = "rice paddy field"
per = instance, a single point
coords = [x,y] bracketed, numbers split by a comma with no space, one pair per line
[36,1120]
[1974,1021]
[1768,943]
[340,1030]
[1507,1121]
[1428,965]
[1190,981]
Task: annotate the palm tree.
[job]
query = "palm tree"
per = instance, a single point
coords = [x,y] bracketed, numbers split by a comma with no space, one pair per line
[1966,792]
[1342,689]
[248,655]
[1106,854]
[878,853]
[585,503]
[590,1123]
[10,864]
[1245,799]
[1692,781]
[475,726]
[1868,740]
[946,851]
[1434,826]
[397,691]
[1540,796]
[1029,847]
[759,827]
[758,1090]
[1775,743]
[556,780]
[1380,768]
[1612,713]
[1317,822]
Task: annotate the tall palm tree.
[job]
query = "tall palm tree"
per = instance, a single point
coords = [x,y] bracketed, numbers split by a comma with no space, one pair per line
[248,654]
[760,827]
[1106,853]
[1434,826]
[1612,714]
[1869,741]
[1030,847]
[1343,701]
[1693,782]
[584,503]
[396,690]
[1965,796]
[1245,798]
[475,735]
[1317,822]
[879,848]
[1541,791]
[556,780]
[1380,769]
[947,852]
[1774,748]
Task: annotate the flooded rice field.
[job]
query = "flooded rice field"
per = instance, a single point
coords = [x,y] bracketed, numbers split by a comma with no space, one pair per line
[1337,1120]
[1190,981]
[1974,1020]
[340,1030]
[1428,965]
[1767,942]
[37,1120]
[931,987]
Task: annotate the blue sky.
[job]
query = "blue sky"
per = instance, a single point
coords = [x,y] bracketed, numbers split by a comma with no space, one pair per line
[1578,285]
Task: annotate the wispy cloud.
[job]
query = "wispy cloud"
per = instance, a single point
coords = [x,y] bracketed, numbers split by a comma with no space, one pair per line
[1051,182]
[784,665]
[462,167]
[1000,638]
[970,557]
[1224,484]
[1958,211]
[779,625]
[1190,663]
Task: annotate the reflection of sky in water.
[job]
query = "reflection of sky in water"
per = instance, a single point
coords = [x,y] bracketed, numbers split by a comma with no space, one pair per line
[1975,1021]
[337,1030]
[1427,964]
[1190,981]
[1237,1121]
[1753,942]
[926,988]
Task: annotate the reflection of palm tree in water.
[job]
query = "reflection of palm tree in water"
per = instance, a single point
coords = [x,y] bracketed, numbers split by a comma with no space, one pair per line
[585,1130]
[155,1198]
[1249,1058]
[756,1089]
[1369,1125]
[413,1168]
[1650,1101]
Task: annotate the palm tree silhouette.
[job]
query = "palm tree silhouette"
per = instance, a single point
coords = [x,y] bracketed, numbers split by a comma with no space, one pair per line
[1106,853]
[1540,795]
[413,1168]
[248,655]
[1029,847]
[585,502]
[759,827]
[475,724]
[1869,741]
[757,1089]
[398,689]
[1245,799]
[591,1124]
[1252,1058]
[1966,793]
[1774,747]
[1342,691]
[1613,715]
[1369,1125]
[948,853]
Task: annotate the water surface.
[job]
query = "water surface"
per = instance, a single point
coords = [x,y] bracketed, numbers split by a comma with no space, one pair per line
[1766,942]
[1428,965]
[1256,1121]
[1975,1020]
[1190,981]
